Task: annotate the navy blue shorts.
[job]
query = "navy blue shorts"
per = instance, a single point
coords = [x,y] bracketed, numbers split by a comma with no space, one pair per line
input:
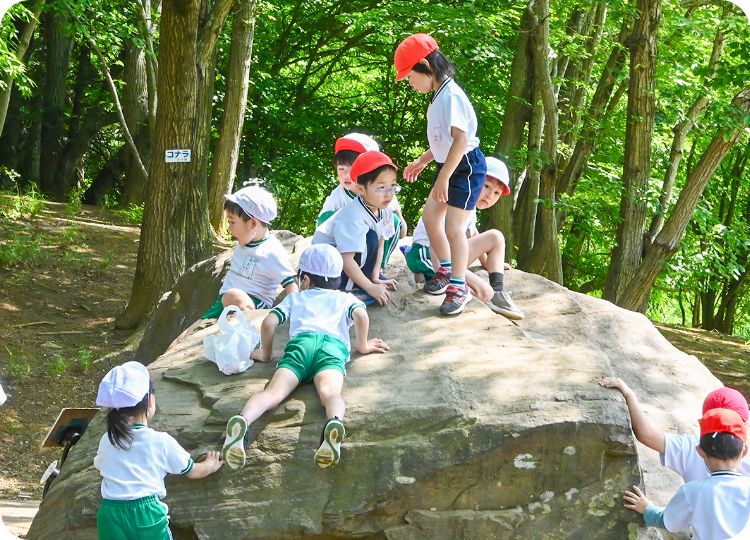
[465,184]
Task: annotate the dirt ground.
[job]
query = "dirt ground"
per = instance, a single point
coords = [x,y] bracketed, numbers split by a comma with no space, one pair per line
[58,305]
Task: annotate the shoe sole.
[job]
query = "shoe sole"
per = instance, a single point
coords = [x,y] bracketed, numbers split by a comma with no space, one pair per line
[329,453]
[460,308]
[515,316]
[233,452]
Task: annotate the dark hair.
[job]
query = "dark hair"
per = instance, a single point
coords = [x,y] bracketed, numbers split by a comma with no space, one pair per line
[234,208]
[119,428]
[321,282]
[722,446]
[440,66]
[345,157]
[365,179]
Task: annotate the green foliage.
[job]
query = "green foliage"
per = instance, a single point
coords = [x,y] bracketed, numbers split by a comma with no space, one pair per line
[133,214]
[20,205]
[14,367]
[20,249]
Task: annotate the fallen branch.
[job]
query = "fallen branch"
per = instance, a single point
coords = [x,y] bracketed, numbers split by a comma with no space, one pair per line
[61,332]
[33,324]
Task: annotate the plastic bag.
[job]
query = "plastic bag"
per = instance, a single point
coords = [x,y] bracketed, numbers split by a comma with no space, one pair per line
[230,349]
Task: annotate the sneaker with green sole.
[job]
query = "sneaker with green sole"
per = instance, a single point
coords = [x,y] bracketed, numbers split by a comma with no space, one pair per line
[233,452]
[329,453]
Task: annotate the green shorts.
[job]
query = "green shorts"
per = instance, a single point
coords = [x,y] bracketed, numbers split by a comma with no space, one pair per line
[215,310]
[308,354]
[145,519]
[418,260]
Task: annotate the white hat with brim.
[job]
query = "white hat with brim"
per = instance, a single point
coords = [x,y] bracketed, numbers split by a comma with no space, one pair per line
[3,397]
[321,260]
[496,169]
[124,386]
[255,202]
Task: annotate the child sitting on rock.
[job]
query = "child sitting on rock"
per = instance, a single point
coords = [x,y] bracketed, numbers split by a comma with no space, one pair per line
[678,452]
[133,459]
[318,349]
[360,228]
[716,507]
[259,262]
[488,247]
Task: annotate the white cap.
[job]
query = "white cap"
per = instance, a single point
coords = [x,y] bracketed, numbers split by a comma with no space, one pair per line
[356,142]
[497,169]
[255,202]
[3,397]
[124,386]
[321,260]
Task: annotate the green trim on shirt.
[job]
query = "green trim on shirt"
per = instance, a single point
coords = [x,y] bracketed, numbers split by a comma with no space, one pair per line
[139,426]
[323,217]
[287,281]
[189,467]
[350,313]
[258,242]
[279,314]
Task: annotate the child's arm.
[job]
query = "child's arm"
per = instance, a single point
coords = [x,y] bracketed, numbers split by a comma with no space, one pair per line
[653,516]
[267,330]
[378,291]
[404,225]
[644,430]
[361,327]
[456,152]
[389,283]
[412,170]
[210,465]
[291,288]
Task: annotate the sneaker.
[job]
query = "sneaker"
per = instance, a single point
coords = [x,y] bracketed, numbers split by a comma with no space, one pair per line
[439,283]
[233,451]
[329,453]
[455,300]
[502,304]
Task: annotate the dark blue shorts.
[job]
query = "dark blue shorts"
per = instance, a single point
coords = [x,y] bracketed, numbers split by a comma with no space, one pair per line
[465,184]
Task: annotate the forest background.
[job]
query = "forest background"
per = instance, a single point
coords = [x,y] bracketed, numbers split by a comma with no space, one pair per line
[624,122]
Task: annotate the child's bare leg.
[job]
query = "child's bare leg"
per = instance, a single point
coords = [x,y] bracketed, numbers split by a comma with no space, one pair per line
[283,383]
[492,244]
[239,298]
[479,287]
[455,230]
[432,217]
[329,383]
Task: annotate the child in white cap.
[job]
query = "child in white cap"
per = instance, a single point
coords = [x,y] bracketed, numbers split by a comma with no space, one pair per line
[133,459]
[487,246]
[259,262]
[347,149]
[318,349]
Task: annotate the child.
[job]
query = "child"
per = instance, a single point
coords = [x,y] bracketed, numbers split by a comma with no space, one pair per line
[451,132]
[678,452]
[717,507]
[259,261]
[488,247]
[360,228]
[318,349]
[347,149]
[133,459]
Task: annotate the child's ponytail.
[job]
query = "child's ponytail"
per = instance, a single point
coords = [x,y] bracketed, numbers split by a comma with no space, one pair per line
[119,426]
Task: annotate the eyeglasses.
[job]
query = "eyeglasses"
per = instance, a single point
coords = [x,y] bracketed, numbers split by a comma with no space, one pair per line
[382,190]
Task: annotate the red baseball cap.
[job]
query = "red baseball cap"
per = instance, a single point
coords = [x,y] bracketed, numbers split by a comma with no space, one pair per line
[410,51]
[368,162]
[723,421]
[726,398]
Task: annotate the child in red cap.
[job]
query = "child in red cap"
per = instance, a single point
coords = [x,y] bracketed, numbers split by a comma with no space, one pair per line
[716,507]
[360,228]
[454,146]
[678,451]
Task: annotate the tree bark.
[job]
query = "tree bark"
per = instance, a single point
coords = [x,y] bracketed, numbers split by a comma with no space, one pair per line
[627,253]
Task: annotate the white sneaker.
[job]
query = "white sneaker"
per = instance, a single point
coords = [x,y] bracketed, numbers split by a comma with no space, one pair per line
[502,304]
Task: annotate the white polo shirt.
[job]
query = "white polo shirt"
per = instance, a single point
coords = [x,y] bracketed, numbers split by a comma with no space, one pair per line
[139,471]
[717,507]
[339,198]
[347,229]
[419,236]
[323,311]
[681,456]
[450,108]
[259,268]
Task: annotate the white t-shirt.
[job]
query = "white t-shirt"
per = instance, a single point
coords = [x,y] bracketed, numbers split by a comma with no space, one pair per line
[340,197]
[450,108]
[420,232]
[681,456]
[140,470]
[319,310]
[347,229]
[717,507]
[259,268]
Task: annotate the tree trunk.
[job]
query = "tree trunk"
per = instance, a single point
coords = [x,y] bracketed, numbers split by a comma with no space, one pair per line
[526,208]
[227,151]
[107,178]
[161,252]
[627,253]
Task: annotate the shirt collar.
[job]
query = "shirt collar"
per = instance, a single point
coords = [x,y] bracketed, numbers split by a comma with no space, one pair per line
[440,89]
[367,208]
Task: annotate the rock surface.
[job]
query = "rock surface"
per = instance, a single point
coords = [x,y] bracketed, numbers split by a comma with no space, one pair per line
[473,427]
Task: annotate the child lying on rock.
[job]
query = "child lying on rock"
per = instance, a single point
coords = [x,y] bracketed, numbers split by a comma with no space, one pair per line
[319,319]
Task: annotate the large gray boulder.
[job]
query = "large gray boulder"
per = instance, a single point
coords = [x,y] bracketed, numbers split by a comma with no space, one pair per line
[470,427]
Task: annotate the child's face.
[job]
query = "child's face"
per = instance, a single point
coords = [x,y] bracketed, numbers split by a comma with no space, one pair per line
[241,230]
[491,192]
[381,191]
[344,179]
[419,82]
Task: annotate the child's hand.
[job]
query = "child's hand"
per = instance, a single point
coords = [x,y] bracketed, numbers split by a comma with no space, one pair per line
[412,170]
[379,292]
[261,355]
[636,500]
[440,190]
[389,283]
[374,345]
[616,382]
[213,461]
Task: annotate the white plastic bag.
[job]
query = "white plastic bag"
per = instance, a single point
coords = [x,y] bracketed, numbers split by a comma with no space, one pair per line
[230,349]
